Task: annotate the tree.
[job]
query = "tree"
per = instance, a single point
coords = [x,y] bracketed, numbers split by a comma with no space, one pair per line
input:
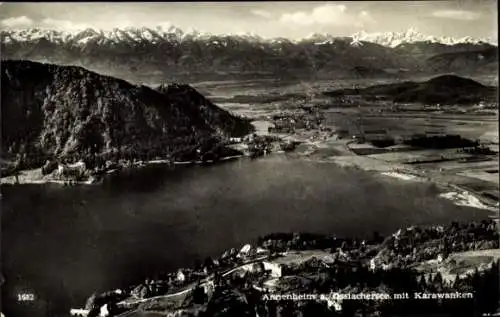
[438,281]
[144,292]
[456,282]
[89,304]
[422,283]
[199,295]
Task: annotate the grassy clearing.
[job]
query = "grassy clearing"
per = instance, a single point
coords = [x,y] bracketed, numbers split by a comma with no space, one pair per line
[462,263]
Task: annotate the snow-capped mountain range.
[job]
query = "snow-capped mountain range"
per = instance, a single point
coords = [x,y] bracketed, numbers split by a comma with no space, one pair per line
[169,52]
[172,33]
[393,39]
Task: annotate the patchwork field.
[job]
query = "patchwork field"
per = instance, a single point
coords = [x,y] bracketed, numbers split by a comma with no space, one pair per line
[348,129]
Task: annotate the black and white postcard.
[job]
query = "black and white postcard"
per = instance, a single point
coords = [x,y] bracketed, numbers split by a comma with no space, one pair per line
[249,159]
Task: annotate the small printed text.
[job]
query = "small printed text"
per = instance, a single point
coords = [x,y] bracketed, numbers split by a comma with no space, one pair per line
[367,296]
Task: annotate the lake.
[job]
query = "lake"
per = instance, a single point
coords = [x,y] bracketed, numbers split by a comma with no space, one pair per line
[62,244]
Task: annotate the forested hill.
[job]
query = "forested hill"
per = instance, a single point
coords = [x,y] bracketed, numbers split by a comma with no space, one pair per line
[445,89]
[67,113]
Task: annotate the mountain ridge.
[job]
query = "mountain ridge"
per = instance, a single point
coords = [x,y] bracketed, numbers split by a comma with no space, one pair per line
[157,55]
[67,113]
[390,39]
[440,90]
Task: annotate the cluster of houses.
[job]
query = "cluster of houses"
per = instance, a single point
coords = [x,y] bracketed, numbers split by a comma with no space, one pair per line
[254,259]
[70,169]
[289,123]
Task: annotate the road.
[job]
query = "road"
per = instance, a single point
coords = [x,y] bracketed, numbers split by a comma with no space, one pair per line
[189,288]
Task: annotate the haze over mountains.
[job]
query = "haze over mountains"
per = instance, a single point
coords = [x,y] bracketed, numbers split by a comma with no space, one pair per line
[154,55]
[65,112]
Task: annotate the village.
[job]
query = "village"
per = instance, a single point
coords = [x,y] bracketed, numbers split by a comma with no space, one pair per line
[433,258]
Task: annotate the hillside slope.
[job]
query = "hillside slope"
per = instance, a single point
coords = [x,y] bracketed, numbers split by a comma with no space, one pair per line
[446,89]
[463,62]
[68,113]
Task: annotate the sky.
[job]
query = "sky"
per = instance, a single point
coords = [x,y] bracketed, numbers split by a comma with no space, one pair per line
[476,18]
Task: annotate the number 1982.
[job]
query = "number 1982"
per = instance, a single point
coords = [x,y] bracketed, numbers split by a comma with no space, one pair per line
[25,297]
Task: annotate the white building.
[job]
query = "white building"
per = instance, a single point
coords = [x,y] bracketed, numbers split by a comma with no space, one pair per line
[397,234]
[376,263]
[209,287]
[181,277]
[262,251]
[246,249]
[386,267]
[336,304]
[104,312]
[76,312]
[78,165]
[275,268]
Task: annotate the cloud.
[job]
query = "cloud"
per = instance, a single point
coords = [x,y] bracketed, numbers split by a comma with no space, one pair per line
[17,22]
[62,25]
[365,18]
[262,13]
[364,15]
[457,15]
[328,14]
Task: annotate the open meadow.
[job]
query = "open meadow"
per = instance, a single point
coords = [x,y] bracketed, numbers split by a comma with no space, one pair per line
[347,132]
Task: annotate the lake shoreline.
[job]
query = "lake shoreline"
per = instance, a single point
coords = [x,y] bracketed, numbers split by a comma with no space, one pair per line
[27,176]
[458,195]
[452,192]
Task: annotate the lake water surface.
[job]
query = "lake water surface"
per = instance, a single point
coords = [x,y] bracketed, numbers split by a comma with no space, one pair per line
[63,244]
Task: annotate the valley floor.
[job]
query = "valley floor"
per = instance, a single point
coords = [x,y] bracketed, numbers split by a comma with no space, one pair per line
[468,179]
[465,185]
